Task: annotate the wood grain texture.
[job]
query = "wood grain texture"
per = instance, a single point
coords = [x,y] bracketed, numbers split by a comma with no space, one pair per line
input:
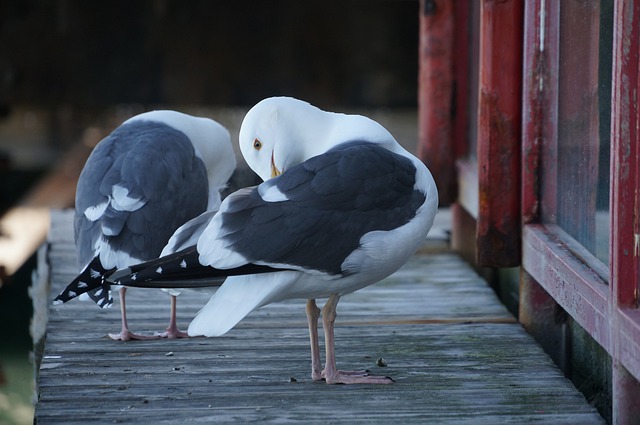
[455,352]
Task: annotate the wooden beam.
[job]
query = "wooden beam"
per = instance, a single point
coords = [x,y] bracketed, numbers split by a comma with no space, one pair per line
[573,284]
[435,94]
[23,231]
[625,217]
[24,227]
[498,230]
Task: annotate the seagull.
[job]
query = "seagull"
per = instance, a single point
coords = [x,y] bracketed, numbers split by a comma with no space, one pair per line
[152,174]
[342,206]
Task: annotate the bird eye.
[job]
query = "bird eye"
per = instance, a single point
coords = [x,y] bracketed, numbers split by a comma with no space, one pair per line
[257,144]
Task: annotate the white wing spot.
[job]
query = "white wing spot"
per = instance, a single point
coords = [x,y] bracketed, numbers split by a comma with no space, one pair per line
[82,285]
[72,294]
[271,193]
[94,273]
[95,212]
[159,270]
[99,292]
[183,264]
[57,302]
[134,276]
[122,201]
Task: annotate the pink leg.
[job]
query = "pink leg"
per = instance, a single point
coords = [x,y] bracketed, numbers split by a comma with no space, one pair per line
[125,334]
[331,373]
[313,314]
[172,331]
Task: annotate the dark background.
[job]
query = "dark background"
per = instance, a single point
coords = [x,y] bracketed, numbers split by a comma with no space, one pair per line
[92,53]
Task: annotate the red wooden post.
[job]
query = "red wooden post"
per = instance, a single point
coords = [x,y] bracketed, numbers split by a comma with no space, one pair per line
[625,216]
[498,230]
[435,94]
[462,71]
[625,137]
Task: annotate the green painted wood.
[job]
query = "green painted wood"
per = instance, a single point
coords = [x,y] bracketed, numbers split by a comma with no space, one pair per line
[457,355]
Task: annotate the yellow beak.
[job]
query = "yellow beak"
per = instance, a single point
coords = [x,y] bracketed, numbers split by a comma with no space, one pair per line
[274,170]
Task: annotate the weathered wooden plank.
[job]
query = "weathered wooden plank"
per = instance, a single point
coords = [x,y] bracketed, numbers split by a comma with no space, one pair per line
[457,357]
[220,372]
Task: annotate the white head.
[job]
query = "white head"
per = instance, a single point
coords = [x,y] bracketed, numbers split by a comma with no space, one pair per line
[281,132]
[211,142]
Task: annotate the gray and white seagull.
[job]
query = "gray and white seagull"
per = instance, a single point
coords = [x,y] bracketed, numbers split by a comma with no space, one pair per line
[151,175]
[343,206]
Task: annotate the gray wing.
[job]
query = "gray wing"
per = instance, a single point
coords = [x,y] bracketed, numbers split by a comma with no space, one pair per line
[188,234]
[327,204]
[138,186]
[311,217]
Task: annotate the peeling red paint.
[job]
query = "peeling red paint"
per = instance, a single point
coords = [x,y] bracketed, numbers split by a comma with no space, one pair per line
[498,228]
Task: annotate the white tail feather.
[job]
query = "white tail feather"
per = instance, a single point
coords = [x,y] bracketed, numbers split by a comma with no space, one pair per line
[236,298]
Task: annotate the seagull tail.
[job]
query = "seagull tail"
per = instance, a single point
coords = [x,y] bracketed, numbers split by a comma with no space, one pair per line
[91,281]
[179,270]
[238,297]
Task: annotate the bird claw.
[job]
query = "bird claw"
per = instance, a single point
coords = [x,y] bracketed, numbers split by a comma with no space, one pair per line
[126,335]
[171,334]
[317,375]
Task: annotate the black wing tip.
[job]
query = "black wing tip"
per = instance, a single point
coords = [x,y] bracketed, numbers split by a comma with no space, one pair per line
[101,296]
[91,281]
[102,302]
[185,272]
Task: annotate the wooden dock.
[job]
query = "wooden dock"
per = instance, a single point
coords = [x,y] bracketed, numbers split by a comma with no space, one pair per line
[457,355]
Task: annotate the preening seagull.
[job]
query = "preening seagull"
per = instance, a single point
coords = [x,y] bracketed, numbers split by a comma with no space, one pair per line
[343,206]
[151,175]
